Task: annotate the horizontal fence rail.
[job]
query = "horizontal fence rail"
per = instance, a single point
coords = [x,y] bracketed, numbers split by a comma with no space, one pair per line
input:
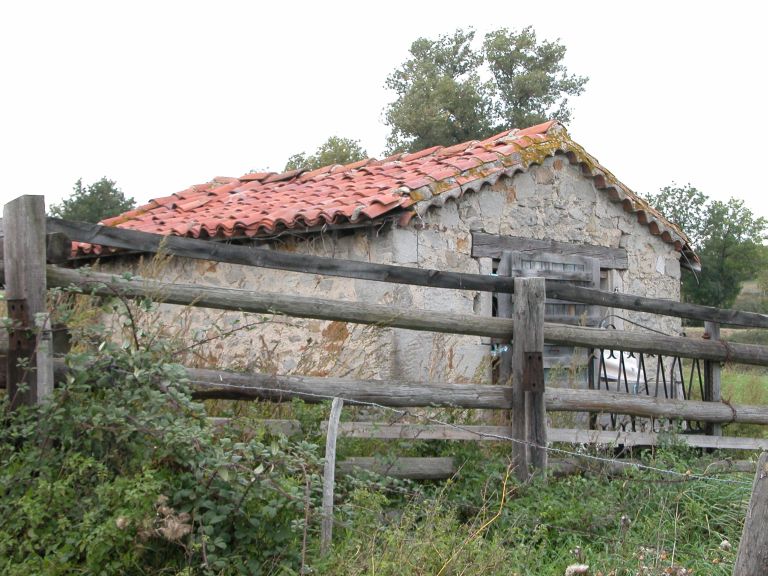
[226,385]
[413,468]
[439,468]
[232,385]
[374,314]
[385,431]
[262,258]
[252,256]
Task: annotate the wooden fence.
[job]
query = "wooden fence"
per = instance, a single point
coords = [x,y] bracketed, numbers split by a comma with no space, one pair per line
[34,244]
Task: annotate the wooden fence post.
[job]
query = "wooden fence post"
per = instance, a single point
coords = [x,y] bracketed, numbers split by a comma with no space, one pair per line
[329,475]
[752,559]
[529,416]
[507,376]
[30,360]
[712,376]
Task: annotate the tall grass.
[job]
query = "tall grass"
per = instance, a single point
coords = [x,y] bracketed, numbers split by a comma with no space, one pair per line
[642,523]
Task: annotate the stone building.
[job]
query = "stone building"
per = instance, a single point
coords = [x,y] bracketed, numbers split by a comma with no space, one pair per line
[532,192]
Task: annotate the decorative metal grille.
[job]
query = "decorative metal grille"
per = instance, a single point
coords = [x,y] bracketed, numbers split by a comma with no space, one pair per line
[658,376]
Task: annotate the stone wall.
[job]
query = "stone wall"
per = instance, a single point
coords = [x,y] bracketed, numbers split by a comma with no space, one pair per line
[553,201]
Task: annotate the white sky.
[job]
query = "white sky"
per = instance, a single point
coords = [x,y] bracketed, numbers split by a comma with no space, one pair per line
[164,94]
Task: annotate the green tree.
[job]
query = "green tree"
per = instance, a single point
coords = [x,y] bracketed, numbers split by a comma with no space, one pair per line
[530,80]
[335,150]
[93,203]
[449,91]
[685,206]
[731,253]
[727,236]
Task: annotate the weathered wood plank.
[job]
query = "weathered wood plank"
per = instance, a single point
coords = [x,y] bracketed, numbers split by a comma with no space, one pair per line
[435,468]
[571,276]
[570,466]
[273,426]
[620,438]
[329,475]
[270,303]
[25,290]
[441,468]
[24,250]
[565,291]
[529,420]
[252,256]
[209,384]
[721,351]
[384,431]
[567,400]
[427,320]
[57,248]
[712,375]
[235,385]
[260,257]
[492,246]
[752,559]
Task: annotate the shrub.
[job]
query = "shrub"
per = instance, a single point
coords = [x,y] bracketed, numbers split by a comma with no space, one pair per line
[121,474]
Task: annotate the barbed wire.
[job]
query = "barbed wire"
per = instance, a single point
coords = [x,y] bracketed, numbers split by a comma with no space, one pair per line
[402,413]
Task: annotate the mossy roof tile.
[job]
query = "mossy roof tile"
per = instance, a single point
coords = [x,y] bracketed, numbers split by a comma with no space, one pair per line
[265,203]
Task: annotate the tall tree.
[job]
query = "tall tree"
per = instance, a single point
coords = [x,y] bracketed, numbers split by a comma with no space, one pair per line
[94,202]
[727,236]
[335,150]
[531,83]
[449,91]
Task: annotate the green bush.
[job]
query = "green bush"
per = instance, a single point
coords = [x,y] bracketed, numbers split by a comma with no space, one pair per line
[121,474]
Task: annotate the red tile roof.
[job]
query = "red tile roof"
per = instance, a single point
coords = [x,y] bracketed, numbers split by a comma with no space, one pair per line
[264,204]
